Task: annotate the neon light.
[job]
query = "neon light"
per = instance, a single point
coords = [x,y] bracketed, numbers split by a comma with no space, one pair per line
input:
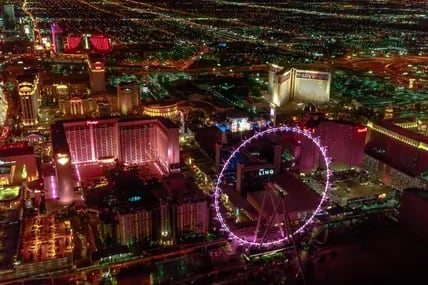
[54,187]
[218,191]
[92,123]
[363,130]
[24,173]
[98,66]
[62,158]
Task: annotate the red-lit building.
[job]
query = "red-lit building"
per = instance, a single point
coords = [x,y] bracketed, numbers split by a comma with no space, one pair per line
[74,43]
[344,141]
[100,43]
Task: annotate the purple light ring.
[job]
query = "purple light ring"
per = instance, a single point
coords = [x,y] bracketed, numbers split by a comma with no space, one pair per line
[218,190]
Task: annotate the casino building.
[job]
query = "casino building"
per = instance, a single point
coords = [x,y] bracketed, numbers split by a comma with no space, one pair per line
[291,88]
[397,150]
[106,140]
[131,141]
[128,97]
[345,143]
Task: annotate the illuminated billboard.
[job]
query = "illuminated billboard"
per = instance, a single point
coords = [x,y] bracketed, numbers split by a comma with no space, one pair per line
[300,86]
[311,86]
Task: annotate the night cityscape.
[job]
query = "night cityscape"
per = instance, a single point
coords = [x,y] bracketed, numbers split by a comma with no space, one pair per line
[213,142]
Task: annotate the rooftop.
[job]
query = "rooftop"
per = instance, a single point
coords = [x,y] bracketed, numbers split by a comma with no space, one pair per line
[299,197]
[394,125]
[180,189]
[165,121]
[14,149]
[354,184]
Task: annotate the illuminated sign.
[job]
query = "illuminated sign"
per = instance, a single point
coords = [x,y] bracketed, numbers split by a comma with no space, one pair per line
[309,130]
[89,123]
[7,162]
[62,158]
[316,76]
[98,65]
[361,130]
[265,172]
[240,125]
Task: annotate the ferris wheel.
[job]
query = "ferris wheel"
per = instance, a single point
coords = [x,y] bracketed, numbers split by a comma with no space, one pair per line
[274,230]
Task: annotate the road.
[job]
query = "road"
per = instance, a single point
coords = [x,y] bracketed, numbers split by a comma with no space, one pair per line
[118,264]
[394,66]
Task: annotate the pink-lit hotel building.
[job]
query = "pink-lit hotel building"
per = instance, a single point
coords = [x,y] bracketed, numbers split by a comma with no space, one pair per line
[133,141]
[130,141]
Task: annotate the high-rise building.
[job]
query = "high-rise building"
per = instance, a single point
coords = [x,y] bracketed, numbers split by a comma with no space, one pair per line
[29,95]
[142,137]
[399,152]
[134,226]
[345,143]
[9,17]
[73,43]
[295,86]
[97,76]
[65,179]
[128,97]
[131,141]
[163,215]
[91,140]
[3,107]
[57,38]
[188,210]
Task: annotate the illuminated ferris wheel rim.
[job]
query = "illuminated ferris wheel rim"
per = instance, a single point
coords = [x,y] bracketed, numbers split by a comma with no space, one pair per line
[218,191]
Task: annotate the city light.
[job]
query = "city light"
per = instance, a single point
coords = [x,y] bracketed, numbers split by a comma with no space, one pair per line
[200,139]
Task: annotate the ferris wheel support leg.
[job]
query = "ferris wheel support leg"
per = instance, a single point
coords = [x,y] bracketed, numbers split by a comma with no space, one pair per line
[277,215]
[259,220]
[293,240]
[270,222]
